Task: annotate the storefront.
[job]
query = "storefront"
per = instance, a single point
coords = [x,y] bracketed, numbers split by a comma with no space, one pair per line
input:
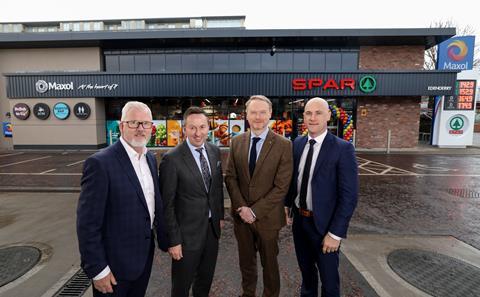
[372,80]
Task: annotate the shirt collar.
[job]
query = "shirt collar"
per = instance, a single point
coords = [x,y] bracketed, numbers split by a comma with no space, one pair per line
[319,138]
[262,135]
[130,151]
[192,147]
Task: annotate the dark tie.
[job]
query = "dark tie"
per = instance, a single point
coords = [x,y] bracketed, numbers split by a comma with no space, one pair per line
[253,155]
[205,172]
[306,175]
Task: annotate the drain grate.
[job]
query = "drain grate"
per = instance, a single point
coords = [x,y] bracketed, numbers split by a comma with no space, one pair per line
[463,192]
[75,286]
[436,274]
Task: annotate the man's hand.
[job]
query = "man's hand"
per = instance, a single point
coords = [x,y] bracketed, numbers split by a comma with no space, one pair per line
[245,214]
[287,216]
[104,285]
[222,224]
[330,245]
[176,252]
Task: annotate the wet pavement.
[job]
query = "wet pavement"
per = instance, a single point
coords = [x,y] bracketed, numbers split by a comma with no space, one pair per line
[402,196]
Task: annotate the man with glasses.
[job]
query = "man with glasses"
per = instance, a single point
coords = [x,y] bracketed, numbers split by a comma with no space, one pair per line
[322,196]
[119,209]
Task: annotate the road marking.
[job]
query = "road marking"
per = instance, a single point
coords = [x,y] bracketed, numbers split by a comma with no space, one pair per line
[25,161]
[75,163]
[426,167]
[47,171]
[377,168]
[13,154]
[42,174]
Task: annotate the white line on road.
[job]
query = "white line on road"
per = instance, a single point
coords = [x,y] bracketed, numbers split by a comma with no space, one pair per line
[13,154]
[43,174]
[75,163]
[47,171]
[25,161]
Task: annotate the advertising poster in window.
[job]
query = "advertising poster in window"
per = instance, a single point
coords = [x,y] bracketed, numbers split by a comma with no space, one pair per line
[282,127]
[159,134]
[237,127]
[113,131]
[218,134]
[174,132]
[7,129]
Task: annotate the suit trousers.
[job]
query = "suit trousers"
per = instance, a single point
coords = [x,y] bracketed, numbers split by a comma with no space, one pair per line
[135,288]
[197,267]
[312,261]
[250,240]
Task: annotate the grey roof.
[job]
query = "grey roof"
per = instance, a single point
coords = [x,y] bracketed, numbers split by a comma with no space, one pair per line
[426,37]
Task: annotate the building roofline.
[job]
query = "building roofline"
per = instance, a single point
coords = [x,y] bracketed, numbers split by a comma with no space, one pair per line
[427,37]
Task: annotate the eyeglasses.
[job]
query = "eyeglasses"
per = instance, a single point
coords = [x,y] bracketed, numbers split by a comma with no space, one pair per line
[136,124]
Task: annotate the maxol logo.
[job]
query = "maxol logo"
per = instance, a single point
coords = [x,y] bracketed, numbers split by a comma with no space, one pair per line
[456,53]
[42,86]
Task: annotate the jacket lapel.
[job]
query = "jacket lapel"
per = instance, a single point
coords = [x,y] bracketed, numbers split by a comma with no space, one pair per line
[267,145]
[213,163]
[154,171]
[322,155]
[190,162]
[125,162]
[244,152]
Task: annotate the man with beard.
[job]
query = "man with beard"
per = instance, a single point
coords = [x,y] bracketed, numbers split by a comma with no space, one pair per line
[120,208]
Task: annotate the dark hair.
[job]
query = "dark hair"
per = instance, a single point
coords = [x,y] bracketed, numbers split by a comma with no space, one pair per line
[193,110]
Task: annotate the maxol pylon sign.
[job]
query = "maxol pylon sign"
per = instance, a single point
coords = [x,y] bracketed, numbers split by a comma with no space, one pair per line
[456,53]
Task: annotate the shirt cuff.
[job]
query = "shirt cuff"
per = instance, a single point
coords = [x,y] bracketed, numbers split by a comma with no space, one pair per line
[253,214]
[334,236]
[102,274]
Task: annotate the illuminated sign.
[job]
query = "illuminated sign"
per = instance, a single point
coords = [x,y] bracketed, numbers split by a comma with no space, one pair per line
[456,53]
[464,98]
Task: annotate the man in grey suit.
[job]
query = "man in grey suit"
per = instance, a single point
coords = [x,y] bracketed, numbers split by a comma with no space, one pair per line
[191,184]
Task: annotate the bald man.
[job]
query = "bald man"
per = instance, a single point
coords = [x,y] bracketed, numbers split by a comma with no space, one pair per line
[322,198]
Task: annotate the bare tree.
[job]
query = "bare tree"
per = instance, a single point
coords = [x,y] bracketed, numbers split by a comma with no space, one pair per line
[431,53]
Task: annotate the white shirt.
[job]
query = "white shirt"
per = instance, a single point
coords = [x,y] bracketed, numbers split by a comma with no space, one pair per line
[144,175]
[316,151]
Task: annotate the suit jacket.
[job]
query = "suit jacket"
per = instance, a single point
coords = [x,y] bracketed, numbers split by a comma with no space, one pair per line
[265,191]
[334,184]
[113,222]
[186,200]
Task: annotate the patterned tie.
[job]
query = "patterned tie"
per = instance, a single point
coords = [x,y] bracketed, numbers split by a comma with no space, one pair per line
[253,155]
[306,175]
[205,172]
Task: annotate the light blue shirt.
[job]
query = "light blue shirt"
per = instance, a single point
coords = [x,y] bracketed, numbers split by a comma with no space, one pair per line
[196,156]
[262,136]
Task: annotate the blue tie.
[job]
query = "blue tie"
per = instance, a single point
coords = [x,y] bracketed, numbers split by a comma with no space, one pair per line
[306,175]
[205,172]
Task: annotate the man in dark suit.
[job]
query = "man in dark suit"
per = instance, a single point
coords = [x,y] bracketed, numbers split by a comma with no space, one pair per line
[191,184]
[119,208]
[323,195]
[258,175]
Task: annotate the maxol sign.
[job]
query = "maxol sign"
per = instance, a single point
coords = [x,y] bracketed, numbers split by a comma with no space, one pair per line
[456,53]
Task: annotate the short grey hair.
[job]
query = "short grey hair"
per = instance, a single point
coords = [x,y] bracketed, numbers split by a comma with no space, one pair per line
[259,98]
[134,105]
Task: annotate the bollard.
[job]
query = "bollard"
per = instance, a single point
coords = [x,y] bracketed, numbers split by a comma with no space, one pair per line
[389,138]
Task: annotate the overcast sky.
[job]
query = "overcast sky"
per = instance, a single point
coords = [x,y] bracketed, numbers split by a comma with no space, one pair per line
[259,14]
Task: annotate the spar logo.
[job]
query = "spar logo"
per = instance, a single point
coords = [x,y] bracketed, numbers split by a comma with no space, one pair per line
[42,86]
[366,84]
[457,50]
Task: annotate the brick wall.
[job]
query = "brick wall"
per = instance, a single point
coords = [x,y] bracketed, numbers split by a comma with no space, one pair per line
[376,115]
[392,57]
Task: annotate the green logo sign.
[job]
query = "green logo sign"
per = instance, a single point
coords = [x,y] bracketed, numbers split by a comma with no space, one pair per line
[368,84]
[456,123]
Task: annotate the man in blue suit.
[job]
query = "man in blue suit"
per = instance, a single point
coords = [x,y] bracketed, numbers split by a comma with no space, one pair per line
[120,209]
[322,198]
